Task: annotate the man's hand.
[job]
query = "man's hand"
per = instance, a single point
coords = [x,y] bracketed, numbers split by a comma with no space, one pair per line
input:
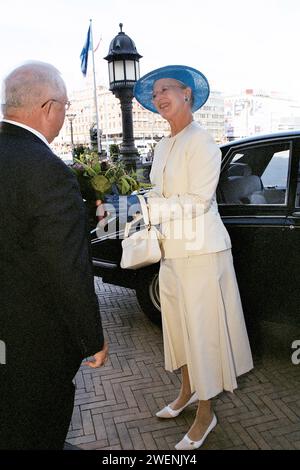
[124,207]
[101,212]
[100,358]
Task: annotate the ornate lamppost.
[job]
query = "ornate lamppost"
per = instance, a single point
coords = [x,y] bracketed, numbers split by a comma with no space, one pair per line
[123,69]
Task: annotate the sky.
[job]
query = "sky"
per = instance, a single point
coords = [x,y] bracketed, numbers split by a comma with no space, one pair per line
[237,44]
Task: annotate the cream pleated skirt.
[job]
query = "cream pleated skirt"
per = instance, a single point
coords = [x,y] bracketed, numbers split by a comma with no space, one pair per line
[203,322]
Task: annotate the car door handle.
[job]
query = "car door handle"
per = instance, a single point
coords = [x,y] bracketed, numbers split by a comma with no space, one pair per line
[296,214]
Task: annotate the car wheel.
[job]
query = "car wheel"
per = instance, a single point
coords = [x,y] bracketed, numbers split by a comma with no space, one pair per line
[147,292]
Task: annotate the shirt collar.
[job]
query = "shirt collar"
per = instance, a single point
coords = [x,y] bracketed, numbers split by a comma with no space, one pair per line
[30,129]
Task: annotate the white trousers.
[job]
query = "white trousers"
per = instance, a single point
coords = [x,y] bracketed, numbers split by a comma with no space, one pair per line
[203,321]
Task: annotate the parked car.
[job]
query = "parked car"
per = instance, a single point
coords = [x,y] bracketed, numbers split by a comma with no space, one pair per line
[259,202]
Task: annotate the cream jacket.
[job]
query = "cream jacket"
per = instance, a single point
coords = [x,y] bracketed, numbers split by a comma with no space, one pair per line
[185,173]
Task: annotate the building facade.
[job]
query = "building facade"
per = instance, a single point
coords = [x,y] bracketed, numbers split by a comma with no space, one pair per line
[255,111]
[148,127]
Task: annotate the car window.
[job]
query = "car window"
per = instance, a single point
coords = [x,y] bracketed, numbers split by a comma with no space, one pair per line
[256,175]
[276,173]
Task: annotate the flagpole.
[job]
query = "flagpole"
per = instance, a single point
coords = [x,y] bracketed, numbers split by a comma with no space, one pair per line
[95,95]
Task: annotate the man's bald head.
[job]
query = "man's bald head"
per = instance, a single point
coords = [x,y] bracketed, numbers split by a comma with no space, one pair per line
[35,94]
[29,84]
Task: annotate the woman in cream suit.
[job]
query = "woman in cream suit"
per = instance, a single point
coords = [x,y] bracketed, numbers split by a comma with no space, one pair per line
[203,324]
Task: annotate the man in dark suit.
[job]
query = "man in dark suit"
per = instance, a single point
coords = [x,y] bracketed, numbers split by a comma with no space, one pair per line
[49,314]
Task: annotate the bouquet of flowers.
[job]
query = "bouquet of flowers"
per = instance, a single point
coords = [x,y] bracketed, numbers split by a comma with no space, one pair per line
[100,179]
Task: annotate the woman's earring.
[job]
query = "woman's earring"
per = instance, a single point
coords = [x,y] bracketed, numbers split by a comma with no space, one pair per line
[186,98]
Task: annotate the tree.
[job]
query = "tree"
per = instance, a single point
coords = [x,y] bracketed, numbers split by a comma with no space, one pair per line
[114,152]
[79,150]
[93,136]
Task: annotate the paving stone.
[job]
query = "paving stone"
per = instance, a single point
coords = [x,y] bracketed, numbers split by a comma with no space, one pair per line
[87,422]
[115,405]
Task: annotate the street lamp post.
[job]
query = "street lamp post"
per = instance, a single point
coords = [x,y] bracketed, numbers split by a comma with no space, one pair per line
[123,69]
[71,118]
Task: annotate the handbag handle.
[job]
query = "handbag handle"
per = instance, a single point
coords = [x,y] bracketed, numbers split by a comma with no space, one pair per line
[144,215]
[144,209]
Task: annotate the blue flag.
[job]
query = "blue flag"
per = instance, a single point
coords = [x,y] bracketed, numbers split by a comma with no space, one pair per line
[85,52]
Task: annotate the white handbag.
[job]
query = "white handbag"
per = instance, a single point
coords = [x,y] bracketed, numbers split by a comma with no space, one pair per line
[142,247]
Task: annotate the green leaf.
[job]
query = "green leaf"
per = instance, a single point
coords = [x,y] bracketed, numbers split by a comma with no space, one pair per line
[87,168]
[97,168]
[101,184]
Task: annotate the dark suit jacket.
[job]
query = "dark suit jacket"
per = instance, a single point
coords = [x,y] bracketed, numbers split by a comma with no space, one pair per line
[49,315]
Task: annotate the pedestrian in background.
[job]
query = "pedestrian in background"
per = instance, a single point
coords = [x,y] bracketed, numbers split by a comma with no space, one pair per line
[203,324]
[49,314]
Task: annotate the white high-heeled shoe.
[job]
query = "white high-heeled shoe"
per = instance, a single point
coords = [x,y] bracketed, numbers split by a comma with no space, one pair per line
[187,444]
[168,412]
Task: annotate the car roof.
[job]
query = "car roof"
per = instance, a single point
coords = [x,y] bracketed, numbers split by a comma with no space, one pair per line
[260,137]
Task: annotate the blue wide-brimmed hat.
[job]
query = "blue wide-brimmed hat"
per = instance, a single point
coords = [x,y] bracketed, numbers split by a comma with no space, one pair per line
[192,78]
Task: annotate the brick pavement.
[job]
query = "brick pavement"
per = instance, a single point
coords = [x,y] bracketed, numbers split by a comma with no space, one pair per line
[115,406]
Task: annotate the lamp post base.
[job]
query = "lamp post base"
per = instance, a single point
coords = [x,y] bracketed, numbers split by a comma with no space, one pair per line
[130,158]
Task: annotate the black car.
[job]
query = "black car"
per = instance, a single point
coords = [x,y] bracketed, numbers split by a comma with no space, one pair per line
[259,201]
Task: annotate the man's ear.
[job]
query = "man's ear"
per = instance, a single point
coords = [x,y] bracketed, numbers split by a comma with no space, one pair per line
[47,108]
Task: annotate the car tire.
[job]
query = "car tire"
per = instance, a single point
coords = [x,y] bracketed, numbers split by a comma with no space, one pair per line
[147,292]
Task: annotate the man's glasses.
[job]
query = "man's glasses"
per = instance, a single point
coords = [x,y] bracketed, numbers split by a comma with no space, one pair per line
[66,104]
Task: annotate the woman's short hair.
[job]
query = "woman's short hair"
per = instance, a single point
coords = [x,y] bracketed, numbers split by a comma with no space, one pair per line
[184,87]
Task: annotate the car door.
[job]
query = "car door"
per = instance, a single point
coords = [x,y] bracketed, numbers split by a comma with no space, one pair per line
[253,196]
[291,266]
